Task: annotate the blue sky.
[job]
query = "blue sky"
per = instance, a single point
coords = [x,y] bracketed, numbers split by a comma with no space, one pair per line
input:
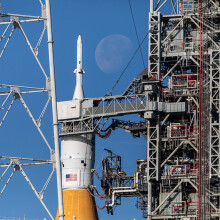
[95,20]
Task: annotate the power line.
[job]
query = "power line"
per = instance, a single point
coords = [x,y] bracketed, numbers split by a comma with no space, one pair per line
[139,48]
[135,27]
[110,92]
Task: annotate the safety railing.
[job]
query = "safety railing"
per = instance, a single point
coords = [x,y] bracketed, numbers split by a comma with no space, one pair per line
[180,170]
[182,131]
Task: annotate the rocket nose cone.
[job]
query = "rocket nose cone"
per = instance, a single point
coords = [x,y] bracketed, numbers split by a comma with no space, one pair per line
[79,40]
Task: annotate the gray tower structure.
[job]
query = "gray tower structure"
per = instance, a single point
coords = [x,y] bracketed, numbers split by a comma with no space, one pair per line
[187,65]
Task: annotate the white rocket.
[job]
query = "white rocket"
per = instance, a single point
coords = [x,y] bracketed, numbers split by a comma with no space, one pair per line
[77,158]
[79,94]
[77,151]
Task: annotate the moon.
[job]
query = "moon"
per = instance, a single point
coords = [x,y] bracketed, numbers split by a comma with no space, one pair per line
[113,53]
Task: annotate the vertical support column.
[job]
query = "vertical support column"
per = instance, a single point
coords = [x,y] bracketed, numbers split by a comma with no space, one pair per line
[149,208]
[54,110]
[177,7]
[158,127]
[214,150]
[154,45]
[151,6]
[153,134]
[153,150]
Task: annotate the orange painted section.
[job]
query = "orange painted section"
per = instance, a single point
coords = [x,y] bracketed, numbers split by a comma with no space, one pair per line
[78,203]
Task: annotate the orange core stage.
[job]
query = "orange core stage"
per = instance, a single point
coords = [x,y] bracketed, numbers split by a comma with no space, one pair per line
[78,205]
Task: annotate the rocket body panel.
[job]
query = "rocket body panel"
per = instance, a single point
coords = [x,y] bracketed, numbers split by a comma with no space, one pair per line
[78,93]
[79,205]
[79,54]
[77,157]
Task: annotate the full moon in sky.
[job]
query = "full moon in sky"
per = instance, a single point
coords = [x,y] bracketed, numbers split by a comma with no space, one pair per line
[113,53]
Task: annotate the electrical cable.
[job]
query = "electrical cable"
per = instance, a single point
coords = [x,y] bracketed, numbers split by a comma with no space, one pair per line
[135,27]
[119,78]
[91,193]
[106,135]
[99,162]
[173,7]
[157,5]
[101,208]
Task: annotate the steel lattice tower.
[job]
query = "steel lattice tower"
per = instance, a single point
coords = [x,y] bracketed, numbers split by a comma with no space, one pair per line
[11,23]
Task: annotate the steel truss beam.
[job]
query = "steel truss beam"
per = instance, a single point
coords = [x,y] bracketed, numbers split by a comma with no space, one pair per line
[153,150]
[154,46]
[214,114]
[17,166]
[15,21]
[94,110]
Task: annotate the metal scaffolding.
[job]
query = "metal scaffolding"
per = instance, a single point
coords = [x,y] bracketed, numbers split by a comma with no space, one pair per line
[13,93]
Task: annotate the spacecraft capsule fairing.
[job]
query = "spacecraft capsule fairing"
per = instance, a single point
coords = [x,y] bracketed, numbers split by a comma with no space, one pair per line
[77,157]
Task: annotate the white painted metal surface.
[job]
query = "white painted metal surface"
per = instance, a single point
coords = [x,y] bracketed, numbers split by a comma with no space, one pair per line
[79,94]
[69,109]
[77,157]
